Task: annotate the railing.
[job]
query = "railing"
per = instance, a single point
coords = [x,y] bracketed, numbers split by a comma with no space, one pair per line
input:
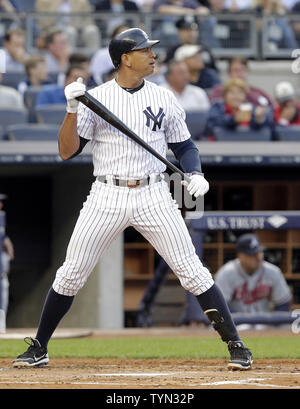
[225,34]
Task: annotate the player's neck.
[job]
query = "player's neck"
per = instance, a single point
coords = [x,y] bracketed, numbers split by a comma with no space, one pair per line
[126,81]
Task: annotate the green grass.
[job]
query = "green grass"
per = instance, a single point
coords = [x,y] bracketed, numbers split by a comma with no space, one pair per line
[262,347]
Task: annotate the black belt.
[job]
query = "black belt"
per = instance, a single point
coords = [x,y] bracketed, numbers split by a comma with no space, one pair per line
[129,182]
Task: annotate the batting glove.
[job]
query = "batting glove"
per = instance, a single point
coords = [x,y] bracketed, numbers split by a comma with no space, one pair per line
[197,185]
[73,90]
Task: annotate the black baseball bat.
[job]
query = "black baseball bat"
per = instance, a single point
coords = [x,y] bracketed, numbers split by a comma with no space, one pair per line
[99,109]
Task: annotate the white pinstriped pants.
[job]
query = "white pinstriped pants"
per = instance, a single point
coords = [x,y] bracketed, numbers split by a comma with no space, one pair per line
[151,210]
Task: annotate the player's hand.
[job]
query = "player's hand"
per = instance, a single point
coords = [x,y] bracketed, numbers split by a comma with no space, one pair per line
[73,90]
[197,186]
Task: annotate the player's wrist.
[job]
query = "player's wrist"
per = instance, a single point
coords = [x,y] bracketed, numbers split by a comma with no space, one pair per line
[196,172]
[71,110]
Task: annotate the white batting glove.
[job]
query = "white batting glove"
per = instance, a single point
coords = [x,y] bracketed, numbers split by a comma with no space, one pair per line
[73,90]
[197,186]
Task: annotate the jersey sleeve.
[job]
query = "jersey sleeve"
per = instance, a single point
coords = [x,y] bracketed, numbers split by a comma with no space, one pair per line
[222,279]
[176,130]
[280,291]
[85,122]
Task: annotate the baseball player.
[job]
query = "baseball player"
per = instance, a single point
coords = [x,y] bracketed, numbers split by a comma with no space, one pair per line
[129,191]
[6,256]
[249,283]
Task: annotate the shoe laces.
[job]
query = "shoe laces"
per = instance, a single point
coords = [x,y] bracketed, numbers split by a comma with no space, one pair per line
[237,349]
[33,345]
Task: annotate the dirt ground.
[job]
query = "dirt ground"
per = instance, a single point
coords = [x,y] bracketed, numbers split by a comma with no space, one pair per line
[86,373]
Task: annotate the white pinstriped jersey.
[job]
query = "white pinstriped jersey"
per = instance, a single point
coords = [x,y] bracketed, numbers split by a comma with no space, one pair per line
[152,113]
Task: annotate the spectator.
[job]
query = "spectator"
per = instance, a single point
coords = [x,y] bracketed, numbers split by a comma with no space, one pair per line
[209,25]
[201,76]
[84,61]
[237,5]
[233,111]
[78,28]
[37,73]
[8,6]
[118,7]
[58,51]
[54,93]
[190,97]
[11,8]
[14,48]
[6,256]
[280,33]
[10,97]
[289,4]
[179,7]
[238,68]
[188,33]
[251,284]
[287,110]
[101,63]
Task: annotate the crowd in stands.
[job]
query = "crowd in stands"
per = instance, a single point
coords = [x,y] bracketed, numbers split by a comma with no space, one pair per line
[187,67]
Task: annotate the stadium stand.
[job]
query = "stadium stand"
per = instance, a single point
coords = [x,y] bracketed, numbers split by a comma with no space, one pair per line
[50,114]
[12,79]
[196,122]
[12,116]
[1,132]
[242,134]
[33,132]
[288,134]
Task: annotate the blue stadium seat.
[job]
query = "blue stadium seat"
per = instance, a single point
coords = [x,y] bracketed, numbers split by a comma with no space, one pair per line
[50,113]
[2,133]
[10,116]
[30,95]
[26,5]
[242,135]
[12,79]
[196,123]
[288,134]
[33,132]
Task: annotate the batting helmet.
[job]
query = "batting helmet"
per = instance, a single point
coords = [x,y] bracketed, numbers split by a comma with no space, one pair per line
[128,40]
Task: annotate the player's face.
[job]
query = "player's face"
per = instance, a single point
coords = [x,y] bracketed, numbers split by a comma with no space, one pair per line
[251,263]
[142,61]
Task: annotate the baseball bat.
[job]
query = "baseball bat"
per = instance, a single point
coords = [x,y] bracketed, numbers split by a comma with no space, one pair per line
[99,109]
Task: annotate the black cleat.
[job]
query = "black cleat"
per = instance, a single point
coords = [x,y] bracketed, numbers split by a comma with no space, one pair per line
[240,357]
[36,355]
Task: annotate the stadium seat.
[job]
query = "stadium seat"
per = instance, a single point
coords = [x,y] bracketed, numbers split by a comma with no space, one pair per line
[242,135]
[1,133]
[12,79]
[50,114]
[30,95]
[26,5]
[12,116]
[33,132]
[196,123]
[288,134]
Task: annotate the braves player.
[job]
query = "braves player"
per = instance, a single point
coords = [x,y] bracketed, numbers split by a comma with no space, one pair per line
[129,191]
[249,283]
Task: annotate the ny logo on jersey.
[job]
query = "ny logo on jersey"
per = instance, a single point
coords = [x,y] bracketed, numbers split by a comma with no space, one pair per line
[157,119]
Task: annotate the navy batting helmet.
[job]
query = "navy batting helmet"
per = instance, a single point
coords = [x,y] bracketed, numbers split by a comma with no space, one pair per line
[128,40]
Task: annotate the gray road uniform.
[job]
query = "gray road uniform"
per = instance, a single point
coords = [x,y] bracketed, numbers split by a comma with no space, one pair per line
[258,292]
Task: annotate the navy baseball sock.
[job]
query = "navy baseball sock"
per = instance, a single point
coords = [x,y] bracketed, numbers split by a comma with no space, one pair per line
[214,299]
[55,307]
